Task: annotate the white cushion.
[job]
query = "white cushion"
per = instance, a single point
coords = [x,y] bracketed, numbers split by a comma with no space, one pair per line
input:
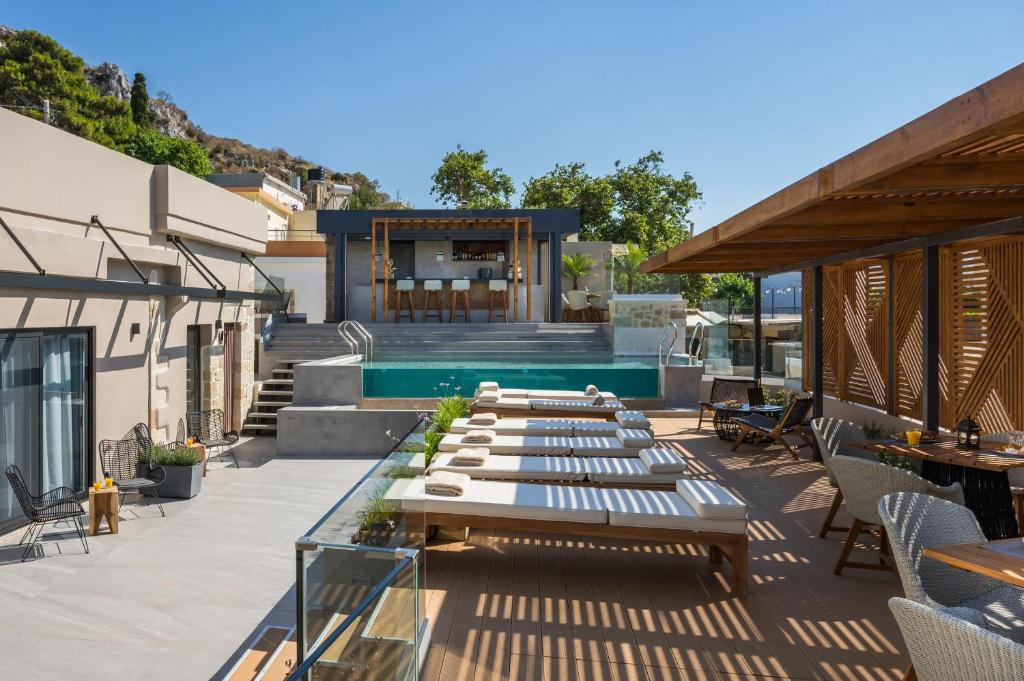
[432,285]
[513,500]
[710,500]
[484,418]
[405,285]
[488,396]
[578,405]
[567,395]
[633,437]
[513,444]
[648,508]
[632,419]
[662,460]
[486,386]
[511,467]
[513,403]
[602,446]
[598,428]
[514,392]
[517,427]
[617,470]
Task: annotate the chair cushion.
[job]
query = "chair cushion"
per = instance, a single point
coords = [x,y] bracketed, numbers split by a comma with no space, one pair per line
[525,501]
[517,427]
[634,437]
[610,470]
[649,508]
[632,419]
[513,467]
[662,460]
[514,444]
[135,483]
[598,428]
[710,500]
[602,446]
[758,421]
[578,405]
[566,395]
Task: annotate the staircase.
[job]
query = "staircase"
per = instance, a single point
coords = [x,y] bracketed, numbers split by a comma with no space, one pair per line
[433,341]
[276,392]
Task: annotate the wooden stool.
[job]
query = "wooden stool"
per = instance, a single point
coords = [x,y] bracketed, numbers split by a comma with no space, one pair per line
[433,287]
[497,291]
[404,289]
[460,293]
[104,504]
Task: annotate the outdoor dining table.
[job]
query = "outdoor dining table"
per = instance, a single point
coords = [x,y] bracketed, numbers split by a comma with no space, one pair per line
[981,473]
[1002,560]
[724,414]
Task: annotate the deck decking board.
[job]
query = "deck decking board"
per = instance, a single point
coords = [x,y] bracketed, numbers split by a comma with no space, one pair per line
[565,608]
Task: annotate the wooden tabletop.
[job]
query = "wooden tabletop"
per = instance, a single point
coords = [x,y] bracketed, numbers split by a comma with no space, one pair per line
[945,451]
[981,560]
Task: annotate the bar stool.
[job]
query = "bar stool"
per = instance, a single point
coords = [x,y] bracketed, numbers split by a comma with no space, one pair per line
[432,286]
[460,293]
[404,288]
[497,290]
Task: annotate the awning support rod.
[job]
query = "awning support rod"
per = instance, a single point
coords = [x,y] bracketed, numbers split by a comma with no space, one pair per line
[17,242]
[257,268]
[199,264]
[95,220]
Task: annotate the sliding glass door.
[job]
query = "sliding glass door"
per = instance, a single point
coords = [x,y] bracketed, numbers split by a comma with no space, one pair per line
[45,412]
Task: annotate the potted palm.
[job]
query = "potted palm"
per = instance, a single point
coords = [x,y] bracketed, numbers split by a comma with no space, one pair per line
[628,264]
[577,266]
[184,469]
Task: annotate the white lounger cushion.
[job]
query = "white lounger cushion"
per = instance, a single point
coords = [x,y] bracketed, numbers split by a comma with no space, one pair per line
[488,397]
[514,500]
[596,428]
[618,470]
[647,508]
[633,437]
[507,403]
[513,392]
[513,444]
[565,395]
[518,427]
[710,500]
[602,446]
[511,467]
[662,460]
[577,405]
[633,419]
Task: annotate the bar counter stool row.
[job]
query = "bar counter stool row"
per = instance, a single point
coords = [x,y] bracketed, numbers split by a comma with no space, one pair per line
[458,299]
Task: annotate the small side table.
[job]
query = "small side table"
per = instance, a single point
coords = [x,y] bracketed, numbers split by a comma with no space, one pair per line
[201,451]
[104,504]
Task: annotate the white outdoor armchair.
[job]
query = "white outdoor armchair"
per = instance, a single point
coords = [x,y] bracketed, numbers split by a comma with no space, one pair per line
[835,437]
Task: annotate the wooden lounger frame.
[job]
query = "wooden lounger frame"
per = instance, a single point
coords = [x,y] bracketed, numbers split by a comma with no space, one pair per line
[503,412]
[732,546]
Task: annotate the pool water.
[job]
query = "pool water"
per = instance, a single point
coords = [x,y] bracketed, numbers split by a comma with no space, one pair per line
[412,378]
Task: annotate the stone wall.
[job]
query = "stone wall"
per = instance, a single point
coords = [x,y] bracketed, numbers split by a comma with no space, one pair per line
[638,322]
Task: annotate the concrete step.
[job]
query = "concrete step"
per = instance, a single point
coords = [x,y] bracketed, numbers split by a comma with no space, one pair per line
[259,428]
[262,415]
[270,403]
[283,393]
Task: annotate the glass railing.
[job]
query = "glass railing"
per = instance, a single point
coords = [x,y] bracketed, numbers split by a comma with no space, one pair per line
[729,342]
[359,579]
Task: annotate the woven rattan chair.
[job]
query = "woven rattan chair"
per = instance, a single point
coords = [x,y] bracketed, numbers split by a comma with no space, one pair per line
[129,462]
[1016,476]
[863,483]
[208,428]
[723,389]
[946,648]
[835,437]
[914,522]
[60,503]
[765,428]
[180,435]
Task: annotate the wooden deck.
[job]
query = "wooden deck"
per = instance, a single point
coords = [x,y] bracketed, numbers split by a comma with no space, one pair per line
[533,608]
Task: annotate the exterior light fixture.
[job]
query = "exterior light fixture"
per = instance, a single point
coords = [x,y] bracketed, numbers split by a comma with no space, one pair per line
[134,330]
[379,257]
[440,256]
[501,256]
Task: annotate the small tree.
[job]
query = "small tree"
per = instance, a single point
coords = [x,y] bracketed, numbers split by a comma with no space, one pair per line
[463,181]
[576,266]
[737,288]
[140,101]
[628,264]
[152,147]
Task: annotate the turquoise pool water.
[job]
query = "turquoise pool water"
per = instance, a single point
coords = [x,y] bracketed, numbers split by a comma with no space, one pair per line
[412,378]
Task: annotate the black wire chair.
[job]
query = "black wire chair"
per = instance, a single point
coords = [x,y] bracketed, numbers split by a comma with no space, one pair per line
[129,462]
[60,503]
[208,428]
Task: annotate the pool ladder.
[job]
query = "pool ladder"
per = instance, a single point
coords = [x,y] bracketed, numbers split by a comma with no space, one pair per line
[670,326]
[353,332]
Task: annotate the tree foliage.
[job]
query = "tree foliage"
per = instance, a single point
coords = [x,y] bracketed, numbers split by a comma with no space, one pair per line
[628,264]
[34,67]
[463,180]
[737,288]
[140,101]
[570,186]
[152,147]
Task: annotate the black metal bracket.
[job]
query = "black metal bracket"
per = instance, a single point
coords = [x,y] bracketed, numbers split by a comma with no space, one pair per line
[21,246]
[257,268]
[95,220]
[200,266]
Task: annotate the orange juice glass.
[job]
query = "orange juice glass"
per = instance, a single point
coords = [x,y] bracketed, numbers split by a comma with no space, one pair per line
[108,482]
[913,437]
[97,485]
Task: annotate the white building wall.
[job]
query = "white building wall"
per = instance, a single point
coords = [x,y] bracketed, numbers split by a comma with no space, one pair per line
[304,276]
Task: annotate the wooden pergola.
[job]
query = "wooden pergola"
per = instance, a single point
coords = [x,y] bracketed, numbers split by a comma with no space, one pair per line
[912,248]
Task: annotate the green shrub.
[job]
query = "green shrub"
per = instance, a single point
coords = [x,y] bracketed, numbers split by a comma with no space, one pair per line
[431,441]
[171,455]
[448,409]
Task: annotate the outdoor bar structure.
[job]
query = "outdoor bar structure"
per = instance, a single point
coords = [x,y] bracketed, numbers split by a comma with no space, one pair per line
[912,254]
[371,252]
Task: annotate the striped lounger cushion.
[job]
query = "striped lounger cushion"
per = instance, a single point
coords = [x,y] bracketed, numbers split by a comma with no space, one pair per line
[602,446]
[607,470]
[512,467]
[513,500]
[512,444]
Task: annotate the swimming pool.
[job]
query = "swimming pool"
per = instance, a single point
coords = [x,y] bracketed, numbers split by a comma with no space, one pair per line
[415,378]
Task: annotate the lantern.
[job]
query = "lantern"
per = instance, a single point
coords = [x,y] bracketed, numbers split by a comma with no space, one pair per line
[968,434]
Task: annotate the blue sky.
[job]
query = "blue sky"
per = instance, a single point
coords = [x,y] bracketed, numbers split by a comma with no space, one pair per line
[747,97]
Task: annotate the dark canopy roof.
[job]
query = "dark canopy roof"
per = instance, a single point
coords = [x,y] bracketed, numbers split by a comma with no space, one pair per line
[557,220]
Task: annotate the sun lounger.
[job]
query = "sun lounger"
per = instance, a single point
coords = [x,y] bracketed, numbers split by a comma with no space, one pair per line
[630,514]
[524,406]
[512,444]
[602,445]
[535,393]
[561,469]
[528,426]
[614,470]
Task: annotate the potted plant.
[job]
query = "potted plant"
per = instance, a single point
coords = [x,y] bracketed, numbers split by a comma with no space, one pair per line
[377,520]
[184,469]
[577,266]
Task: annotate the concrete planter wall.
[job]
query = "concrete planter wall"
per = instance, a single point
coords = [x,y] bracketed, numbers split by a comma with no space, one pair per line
[182,482]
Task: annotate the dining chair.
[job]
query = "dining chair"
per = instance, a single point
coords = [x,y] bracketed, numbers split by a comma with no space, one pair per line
[578,305]
[59,503]
[836,437]
[565,308]
[723,389]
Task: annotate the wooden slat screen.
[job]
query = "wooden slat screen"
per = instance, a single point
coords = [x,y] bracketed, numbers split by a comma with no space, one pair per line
[907,334]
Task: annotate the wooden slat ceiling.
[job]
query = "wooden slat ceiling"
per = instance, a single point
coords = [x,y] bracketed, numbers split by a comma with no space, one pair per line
[450,223]
[959,165]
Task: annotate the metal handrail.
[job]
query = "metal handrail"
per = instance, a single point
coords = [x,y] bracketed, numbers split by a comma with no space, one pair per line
[661,343]
[366,336]
[352,345]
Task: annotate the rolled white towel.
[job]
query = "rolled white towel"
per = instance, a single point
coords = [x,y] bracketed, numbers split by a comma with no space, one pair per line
[446,483]
[632,419]
[471,456]
[479,437]
[592,390]
[485,418]
[488,396]
[598,400]
[632,437]
[662,460]
[487,386]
